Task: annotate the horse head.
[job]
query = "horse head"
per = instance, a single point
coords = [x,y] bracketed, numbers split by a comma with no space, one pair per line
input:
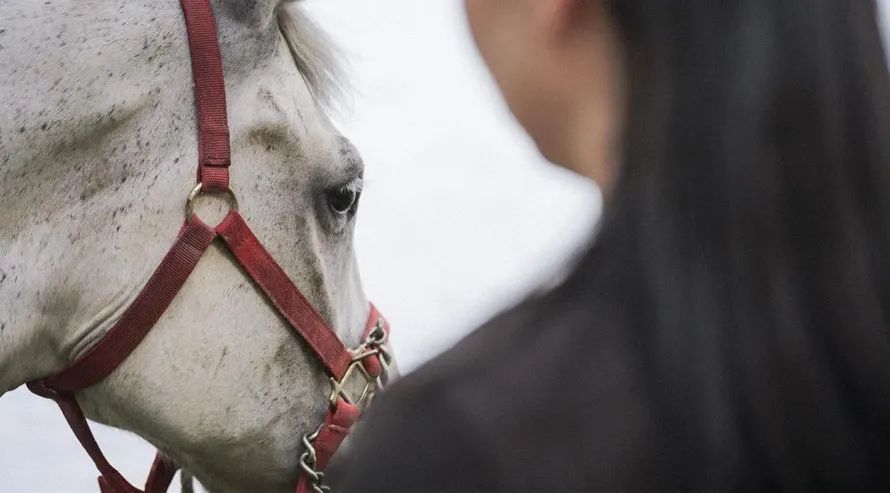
[97,155]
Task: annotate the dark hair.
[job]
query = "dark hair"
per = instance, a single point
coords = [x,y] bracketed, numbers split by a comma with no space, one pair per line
[745,251]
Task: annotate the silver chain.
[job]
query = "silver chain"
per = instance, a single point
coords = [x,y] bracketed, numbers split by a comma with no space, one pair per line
[307,463]
[374,344]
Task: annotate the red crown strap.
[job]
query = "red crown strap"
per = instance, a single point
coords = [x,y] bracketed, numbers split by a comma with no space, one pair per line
[210,96]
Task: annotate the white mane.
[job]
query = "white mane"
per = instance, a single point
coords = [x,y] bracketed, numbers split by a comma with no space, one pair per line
[316,56]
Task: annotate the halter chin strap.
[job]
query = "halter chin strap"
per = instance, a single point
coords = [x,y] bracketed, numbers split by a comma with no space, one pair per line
[368,361]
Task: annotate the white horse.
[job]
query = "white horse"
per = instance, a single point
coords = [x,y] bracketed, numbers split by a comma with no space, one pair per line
[98,152]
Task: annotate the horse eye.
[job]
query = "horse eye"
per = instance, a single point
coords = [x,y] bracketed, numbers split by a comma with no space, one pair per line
[343,200]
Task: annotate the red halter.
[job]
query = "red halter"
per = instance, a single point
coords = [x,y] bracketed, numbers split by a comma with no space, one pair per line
[368,361]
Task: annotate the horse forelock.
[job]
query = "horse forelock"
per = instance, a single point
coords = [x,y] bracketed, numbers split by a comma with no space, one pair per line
[316,56]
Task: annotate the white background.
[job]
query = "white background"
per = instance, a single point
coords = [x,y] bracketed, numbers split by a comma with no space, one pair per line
[460,217]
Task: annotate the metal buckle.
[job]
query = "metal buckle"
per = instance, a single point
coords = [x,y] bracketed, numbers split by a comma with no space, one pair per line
[339,389]
[373,345]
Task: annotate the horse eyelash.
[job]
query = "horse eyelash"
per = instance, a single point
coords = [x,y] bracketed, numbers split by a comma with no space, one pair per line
[356,185]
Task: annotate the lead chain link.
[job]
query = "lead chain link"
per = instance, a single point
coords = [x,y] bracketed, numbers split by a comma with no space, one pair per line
[307,463]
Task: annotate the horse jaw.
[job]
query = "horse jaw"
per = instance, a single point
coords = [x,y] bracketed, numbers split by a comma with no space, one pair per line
[95,165]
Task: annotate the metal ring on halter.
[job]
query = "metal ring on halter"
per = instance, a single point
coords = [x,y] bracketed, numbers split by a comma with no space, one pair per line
[198,190]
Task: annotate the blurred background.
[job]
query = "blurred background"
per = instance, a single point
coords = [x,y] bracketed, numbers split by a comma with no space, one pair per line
[460,217]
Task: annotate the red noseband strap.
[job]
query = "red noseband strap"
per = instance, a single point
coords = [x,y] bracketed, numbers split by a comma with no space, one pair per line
[284,295]
[368,360]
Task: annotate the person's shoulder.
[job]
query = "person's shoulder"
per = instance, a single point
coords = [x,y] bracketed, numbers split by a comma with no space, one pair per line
[488,347]
[427,423]
[417,433]
[520,356]
[509,403]
[530,341]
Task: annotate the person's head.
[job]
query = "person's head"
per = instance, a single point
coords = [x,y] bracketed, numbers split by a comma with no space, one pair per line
[559,66]
[743,251]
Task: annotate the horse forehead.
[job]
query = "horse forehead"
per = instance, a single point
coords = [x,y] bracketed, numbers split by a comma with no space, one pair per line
[70,61]
[65,26]
[66,57]
[70,43]
[72,67]
[123,14]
